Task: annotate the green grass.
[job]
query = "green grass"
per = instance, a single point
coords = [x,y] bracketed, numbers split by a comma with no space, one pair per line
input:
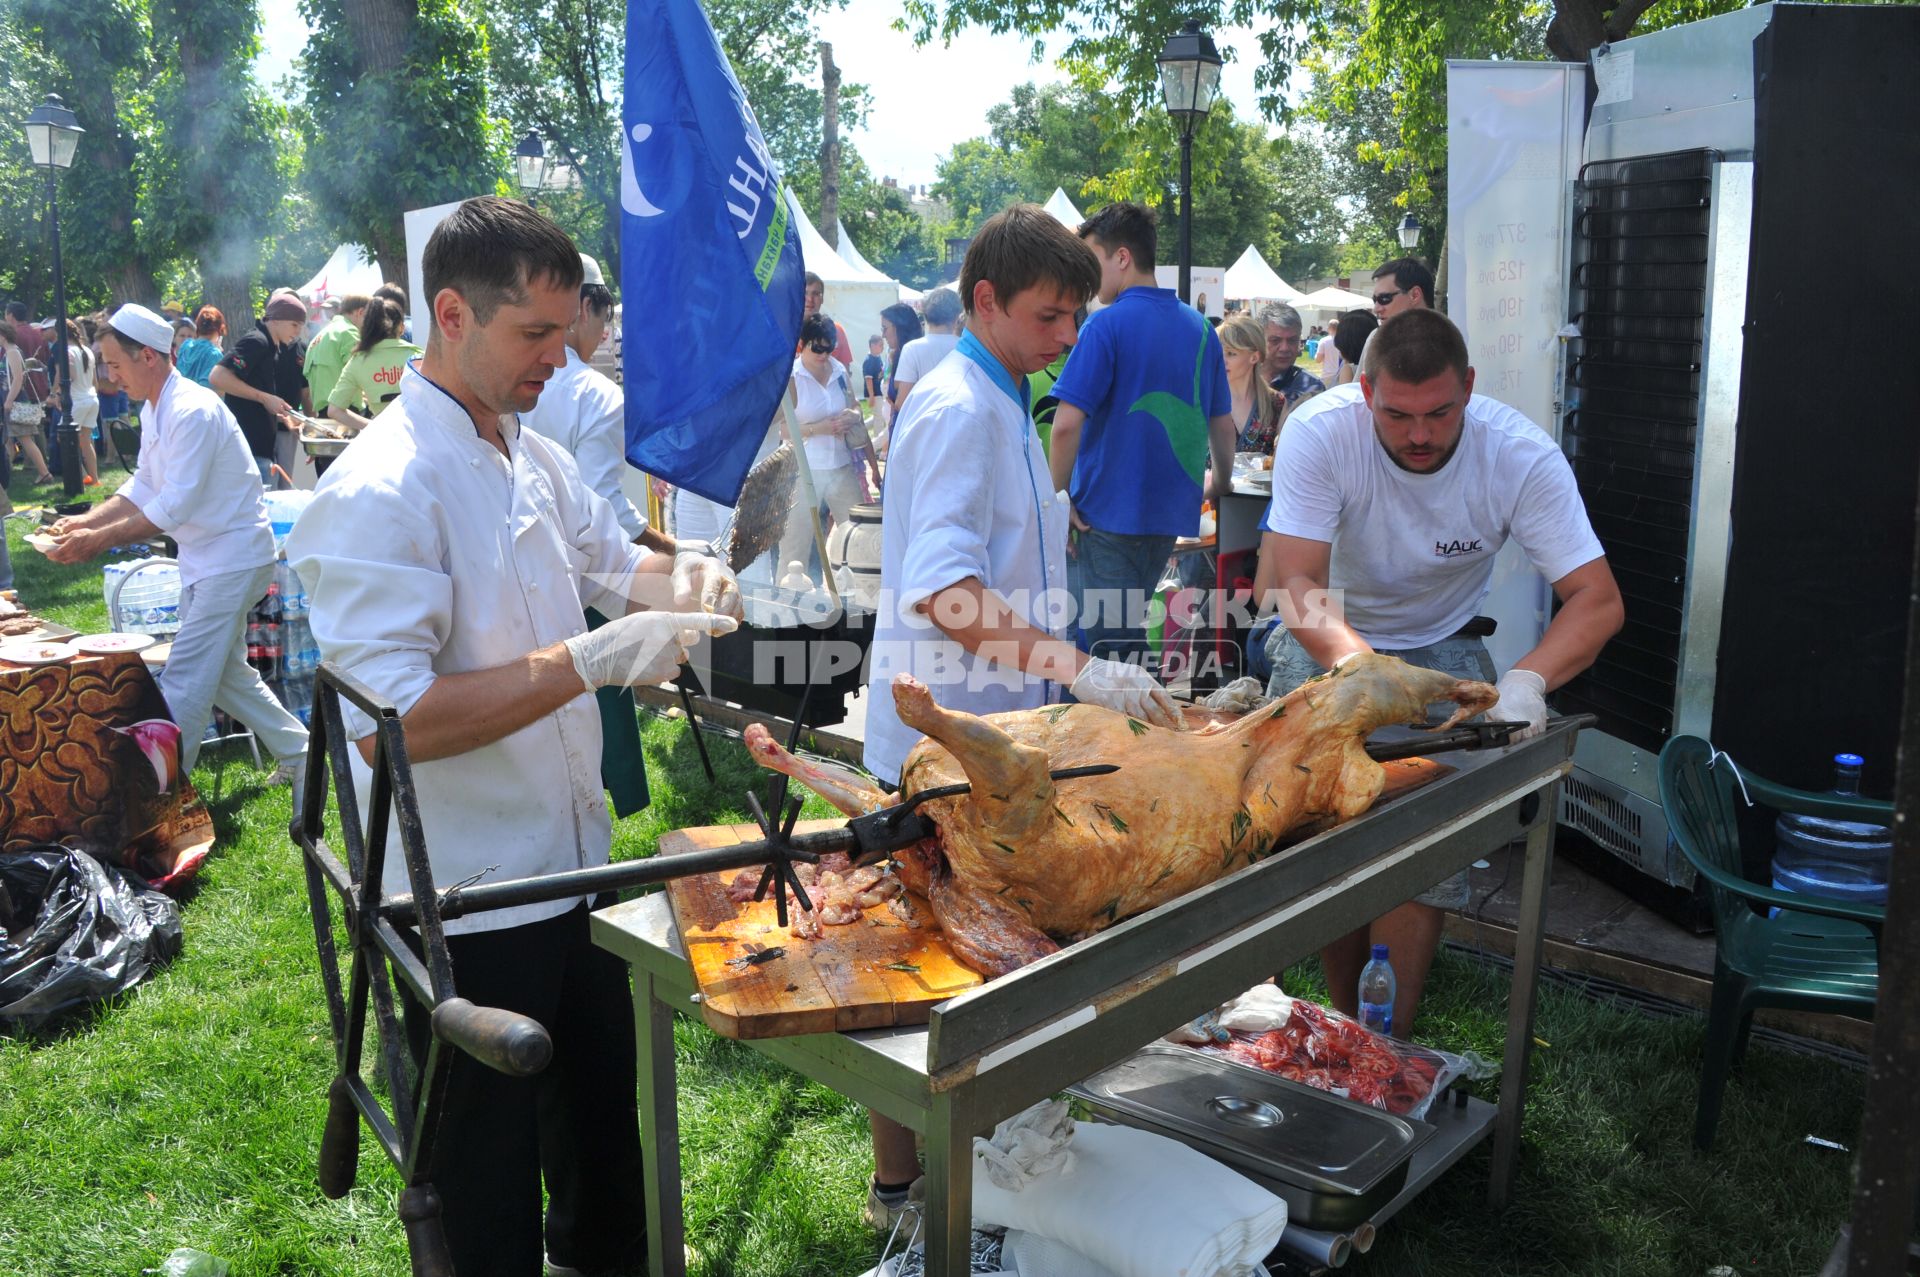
[188,1112]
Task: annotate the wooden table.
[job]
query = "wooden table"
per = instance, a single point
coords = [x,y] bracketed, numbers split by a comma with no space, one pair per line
[73,769]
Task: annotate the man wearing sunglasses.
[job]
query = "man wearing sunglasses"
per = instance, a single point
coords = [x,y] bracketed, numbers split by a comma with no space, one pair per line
[1403,284]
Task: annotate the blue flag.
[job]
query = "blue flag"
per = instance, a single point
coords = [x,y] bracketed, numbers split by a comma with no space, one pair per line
[710,268]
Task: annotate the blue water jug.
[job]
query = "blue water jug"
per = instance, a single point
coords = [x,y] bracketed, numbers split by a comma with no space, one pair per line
[1839,859]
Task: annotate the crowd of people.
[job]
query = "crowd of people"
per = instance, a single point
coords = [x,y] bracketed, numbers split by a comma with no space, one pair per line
[1051,426]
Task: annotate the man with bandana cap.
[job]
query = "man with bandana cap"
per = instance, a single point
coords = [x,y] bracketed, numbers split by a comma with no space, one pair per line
[198,483]
[263,380]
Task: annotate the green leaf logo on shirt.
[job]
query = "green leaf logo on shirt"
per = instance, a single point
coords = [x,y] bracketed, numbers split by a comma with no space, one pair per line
[1184,422]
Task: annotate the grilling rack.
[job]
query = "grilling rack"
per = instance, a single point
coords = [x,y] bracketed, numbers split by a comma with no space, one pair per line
[378,930]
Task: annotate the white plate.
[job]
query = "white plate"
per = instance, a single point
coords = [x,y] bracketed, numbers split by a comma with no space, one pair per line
[36,653]
[108,644]
[41,541]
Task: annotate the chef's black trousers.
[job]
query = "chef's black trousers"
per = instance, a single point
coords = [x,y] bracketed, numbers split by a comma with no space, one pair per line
[577,1123]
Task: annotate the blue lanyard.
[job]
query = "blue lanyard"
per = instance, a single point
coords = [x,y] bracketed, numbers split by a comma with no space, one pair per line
[971,347]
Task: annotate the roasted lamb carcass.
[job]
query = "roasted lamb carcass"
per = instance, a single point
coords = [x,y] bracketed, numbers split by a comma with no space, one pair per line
[1022,864]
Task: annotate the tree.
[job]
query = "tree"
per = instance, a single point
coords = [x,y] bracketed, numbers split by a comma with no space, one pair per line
[557,69]
[213,179]
[399,116]
[95,51]
[1278,194]
[25,271]
[1398,48]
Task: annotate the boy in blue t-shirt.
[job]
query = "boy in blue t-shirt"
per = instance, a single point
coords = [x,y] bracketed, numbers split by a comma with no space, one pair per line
[1143,401]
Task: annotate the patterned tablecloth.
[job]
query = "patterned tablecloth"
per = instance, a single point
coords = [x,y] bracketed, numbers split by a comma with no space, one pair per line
[90,758]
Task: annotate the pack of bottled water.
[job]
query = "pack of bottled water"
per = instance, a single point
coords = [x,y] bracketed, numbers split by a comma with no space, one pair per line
[149,602]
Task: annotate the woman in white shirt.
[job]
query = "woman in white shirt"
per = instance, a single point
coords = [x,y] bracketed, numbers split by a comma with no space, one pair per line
[821,407]
[85,405]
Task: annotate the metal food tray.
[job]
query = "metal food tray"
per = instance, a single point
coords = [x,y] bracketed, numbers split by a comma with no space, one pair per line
[320,446]
[1333,1161]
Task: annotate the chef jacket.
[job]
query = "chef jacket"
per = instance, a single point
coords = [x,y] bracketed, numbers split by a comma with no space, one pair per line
[968,494]
[198,483]
[426,552]
[585,413]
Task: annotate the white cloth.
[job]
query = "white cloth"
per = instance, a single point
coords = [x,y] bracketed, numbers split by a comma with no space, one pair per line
[922,355]
[1414,552]
[1032,1255]
[585,413]
[815,402]
[425,553]
[207,667]
[1035,1141]
[968,495]
[198,483]
[1142,1205]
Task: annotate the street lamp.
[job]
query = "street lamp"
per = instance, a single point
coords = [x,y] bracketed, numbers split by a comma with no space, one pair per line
[1189,82]
[1409,232]
[530,164]
[53,133]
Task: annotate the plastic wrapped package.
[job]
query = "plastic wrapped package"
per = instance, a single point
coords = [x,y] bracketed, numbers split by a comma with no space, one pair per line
[73,931]
[1319,1047]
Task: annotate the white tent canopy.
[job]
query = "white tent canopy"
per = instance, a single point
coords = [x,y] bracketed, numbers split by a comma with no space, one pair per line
[1251,279]
[349,270]
[852,256]
[1063,210]
[1333,299]
[858,261]
[855,294]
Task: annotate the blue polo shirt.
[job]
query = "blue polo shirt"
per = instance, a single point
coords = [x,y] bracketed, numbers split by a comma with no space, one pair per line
[1148,373]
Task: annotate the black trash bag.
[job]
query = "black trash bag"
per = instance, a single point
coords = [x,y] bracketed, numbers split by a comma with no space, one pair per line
[73,931]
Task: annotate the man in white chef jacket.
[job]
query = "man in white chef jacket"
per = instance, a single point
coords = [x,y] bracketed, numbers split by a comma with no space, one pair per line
[973,542]
[1397,491]
[198,484]
[448,556]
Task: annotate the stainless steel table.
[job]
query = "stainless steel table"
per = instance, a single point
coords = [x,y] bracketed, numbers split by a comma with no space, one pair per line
[995,1050]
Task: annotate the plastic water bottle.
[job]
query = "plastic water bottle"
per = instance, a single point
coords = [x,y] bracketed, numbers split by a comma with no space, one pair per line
[1376,992]
[1840,859]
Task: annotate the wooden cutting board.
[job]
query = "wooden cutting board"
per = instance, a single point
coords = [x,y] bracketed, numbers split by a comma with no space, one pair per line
[852,977]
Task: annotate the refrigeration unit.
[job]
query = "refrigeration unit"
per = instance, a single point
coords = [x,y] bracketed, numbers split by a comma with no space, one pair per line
[1737,395]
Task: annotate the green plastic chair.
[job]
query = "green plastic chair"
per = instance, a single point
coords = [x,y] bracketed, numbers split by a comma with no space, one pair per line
[1816,954]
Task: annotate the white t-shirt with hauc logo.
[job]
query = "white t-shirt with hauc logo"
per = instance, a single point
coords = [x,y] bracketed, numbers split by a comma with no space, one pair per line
[1414,553]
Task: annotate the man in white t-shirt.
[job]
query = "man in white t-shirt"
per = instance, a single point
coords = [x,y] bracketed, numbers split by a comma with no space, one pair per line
[918,357]
[1397,491]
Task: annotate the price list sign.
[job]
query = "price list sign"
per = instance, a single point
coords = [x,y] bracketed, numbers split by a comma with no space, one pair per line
[1513,151]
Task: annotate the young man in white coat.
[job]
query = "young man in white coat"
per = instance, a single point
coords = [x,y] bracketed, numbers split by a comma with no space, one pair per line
[973,542]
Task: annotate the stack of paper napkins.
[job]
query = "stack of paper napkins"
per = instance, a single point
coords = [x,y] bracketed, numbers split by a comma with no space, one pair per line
[1132,1204]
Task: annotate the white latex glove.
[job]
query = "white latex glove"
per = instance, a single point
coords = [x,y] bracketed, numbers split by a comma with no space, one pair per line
[642,647]
[1126,689]
[702,582]
[1523,699]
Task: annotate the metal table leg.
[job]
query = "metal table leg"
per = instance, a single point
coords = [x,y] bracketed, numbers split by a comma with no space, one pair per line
[949,1228]
[660,1126]
[1521,1002]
